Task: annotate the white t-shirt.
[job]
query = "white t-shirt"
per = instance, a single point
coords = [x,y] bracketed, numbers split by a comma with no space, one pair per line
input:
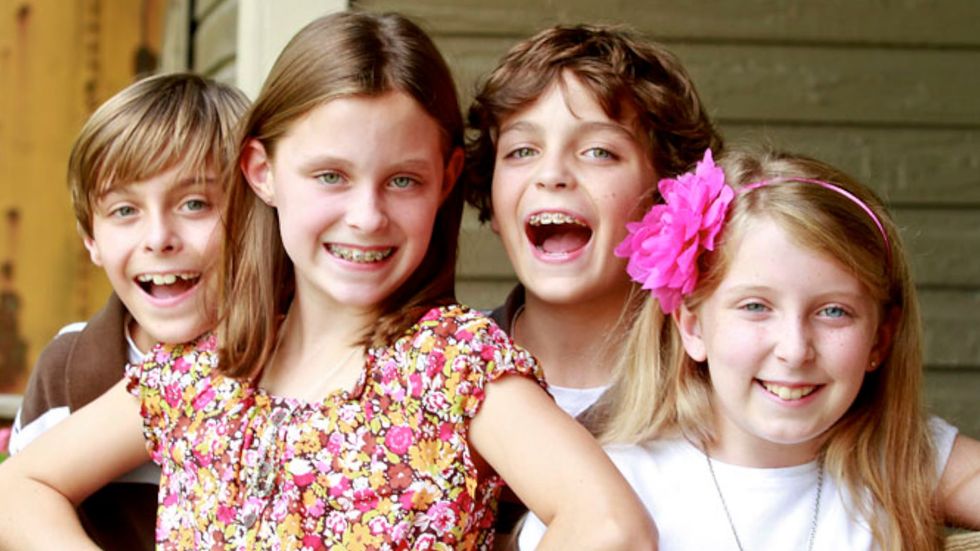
[770,508]
[575,400]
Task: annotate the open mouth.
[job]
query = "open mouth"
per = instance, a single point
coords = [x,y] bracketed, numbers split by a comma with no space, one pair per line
[358,255]
[557,233]
[789,393]
[167,285]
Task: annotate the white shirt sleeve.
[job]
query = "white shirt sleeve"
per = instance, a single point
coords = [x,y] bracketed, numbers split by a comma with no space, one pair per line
[943,436]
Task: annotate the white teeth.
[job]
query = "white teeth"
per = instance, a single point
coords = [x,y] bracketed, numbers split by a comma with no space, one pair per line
[789,393]
[166,279]
[546,218]
[359,255]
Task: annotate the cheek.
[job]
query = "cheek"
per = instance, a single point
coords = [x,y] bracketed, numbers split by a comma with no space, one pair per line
[211,247]
[304,220]
[739,346]
[111,249]
[418,220]
[851,357]
[625,203]
[505,189]
[210,234]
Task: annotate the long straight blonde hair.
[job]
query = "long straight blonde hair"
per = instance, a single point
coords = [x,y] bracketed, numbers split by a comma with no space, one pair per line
[881,447]
[339,55]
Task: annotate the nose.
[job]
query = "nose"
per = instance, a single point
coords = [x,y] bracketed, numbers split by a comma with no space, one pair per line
[365,209]
[794,343]
[554,173]
[161,234]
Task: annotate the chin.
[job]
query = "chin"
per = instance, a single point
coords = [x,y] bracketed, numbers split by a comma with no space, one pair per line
[556,293]
[179,335]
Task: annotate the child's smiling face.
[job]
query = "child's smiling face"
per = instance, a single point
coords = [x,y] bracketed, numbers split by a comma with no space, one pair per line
[156,240]
[788,335]
[567,178]
[357,183]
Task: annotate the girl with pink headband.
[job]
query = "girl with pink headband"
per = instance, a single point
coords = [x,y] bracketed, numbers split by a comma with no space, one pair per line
[769,393]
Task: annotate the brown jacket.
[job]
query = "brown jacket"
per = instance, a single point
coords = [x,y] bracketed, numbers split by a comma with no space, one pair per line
[74,369]
[510,509]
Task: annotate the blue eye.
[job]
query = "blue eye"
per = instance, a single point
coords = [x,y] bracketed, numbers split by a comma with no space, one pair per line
[599,153]
[834,312]
[520,153]
[329,178]
[754,307]
[123,211]
[402,182]
[196,205]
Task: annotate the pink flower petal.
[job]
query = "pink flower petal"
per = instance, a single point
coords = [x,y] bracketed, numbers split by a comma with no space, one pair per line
[663,248]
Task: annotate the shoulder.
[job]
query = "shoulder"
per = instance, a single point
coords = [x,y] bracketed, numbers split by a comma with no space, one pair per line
[458,314]
[177,380]
[457,324]
[75,327]
[655,458]
[201,352]
[943,437]
[47,400]
[54,356]
[175,365]
[47,386]
[455,351]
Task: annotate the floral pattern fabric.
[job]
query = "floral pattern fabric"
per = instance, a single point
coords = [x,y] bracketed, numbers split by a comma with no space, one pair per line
[384,466]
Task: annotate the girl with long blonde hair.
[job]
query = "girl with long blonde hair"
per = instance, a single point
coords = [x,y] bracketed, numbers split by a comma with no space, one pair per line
[769,393]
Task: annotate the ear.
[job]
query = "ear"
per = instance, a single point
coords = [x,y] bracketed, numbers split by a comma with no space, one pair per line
[453,169]
[493,224]
[883,340]
[256,166]
[689,326]
[92,247]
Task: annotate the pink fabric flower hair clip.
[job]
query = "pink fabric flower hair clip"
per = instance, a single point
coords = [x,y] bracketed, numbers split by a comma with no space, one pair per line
[664,247]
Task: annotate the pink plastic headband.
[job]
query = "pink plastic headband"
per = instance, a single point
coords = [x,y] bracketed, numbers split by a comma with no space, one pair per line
[663,248]
[833,187]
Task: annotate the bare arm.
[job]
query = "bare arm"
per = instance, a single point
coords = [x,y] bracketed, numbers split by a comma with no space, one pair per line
[43,484]
[959,487]
[555,466]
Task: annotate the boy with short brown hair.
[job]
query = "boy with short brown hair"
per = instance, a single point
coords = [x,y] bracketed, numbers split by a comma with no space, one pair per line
[572,131]
[146,187]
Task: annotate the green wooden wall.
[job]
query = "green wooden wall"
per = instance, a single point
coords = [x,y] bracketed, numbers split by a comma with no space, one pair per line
[886,89]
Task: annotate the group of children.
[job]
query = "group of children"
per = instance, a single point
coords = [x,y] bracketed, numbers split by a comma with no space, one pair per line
[318,385]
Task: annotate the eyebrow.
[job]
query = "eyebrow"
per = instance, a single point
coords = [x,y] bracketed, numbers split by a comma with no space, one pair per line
[184,182]
[751,289]
[316,161]
[587,126]
[192,181]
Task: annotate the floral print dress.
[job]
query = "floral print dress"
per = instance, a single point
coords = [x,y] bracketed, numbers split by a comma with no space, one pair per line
[384,466]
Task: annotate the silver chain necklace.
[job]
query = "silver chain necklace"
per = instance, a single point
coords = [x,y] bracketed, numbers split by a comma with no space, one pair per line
[816,505]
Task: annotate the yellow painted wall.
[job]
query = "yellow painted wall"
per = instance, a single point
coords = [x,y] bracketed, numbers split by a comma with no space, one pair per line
[58,61]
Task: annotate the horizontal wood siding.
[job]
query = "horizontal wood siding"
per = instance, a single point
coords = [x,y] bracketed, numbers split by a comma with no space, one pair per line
[216,39]
[926,23]
[884,89]
[920,167]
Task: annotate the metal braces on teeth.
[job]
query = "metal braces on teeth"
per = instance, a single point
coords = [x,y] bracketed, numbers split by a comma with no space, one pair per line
[355,255]
[546,218]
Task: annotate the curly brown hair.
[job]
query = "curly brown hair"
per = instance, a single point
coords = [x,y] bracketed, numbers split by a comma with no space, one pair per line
[623,73]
